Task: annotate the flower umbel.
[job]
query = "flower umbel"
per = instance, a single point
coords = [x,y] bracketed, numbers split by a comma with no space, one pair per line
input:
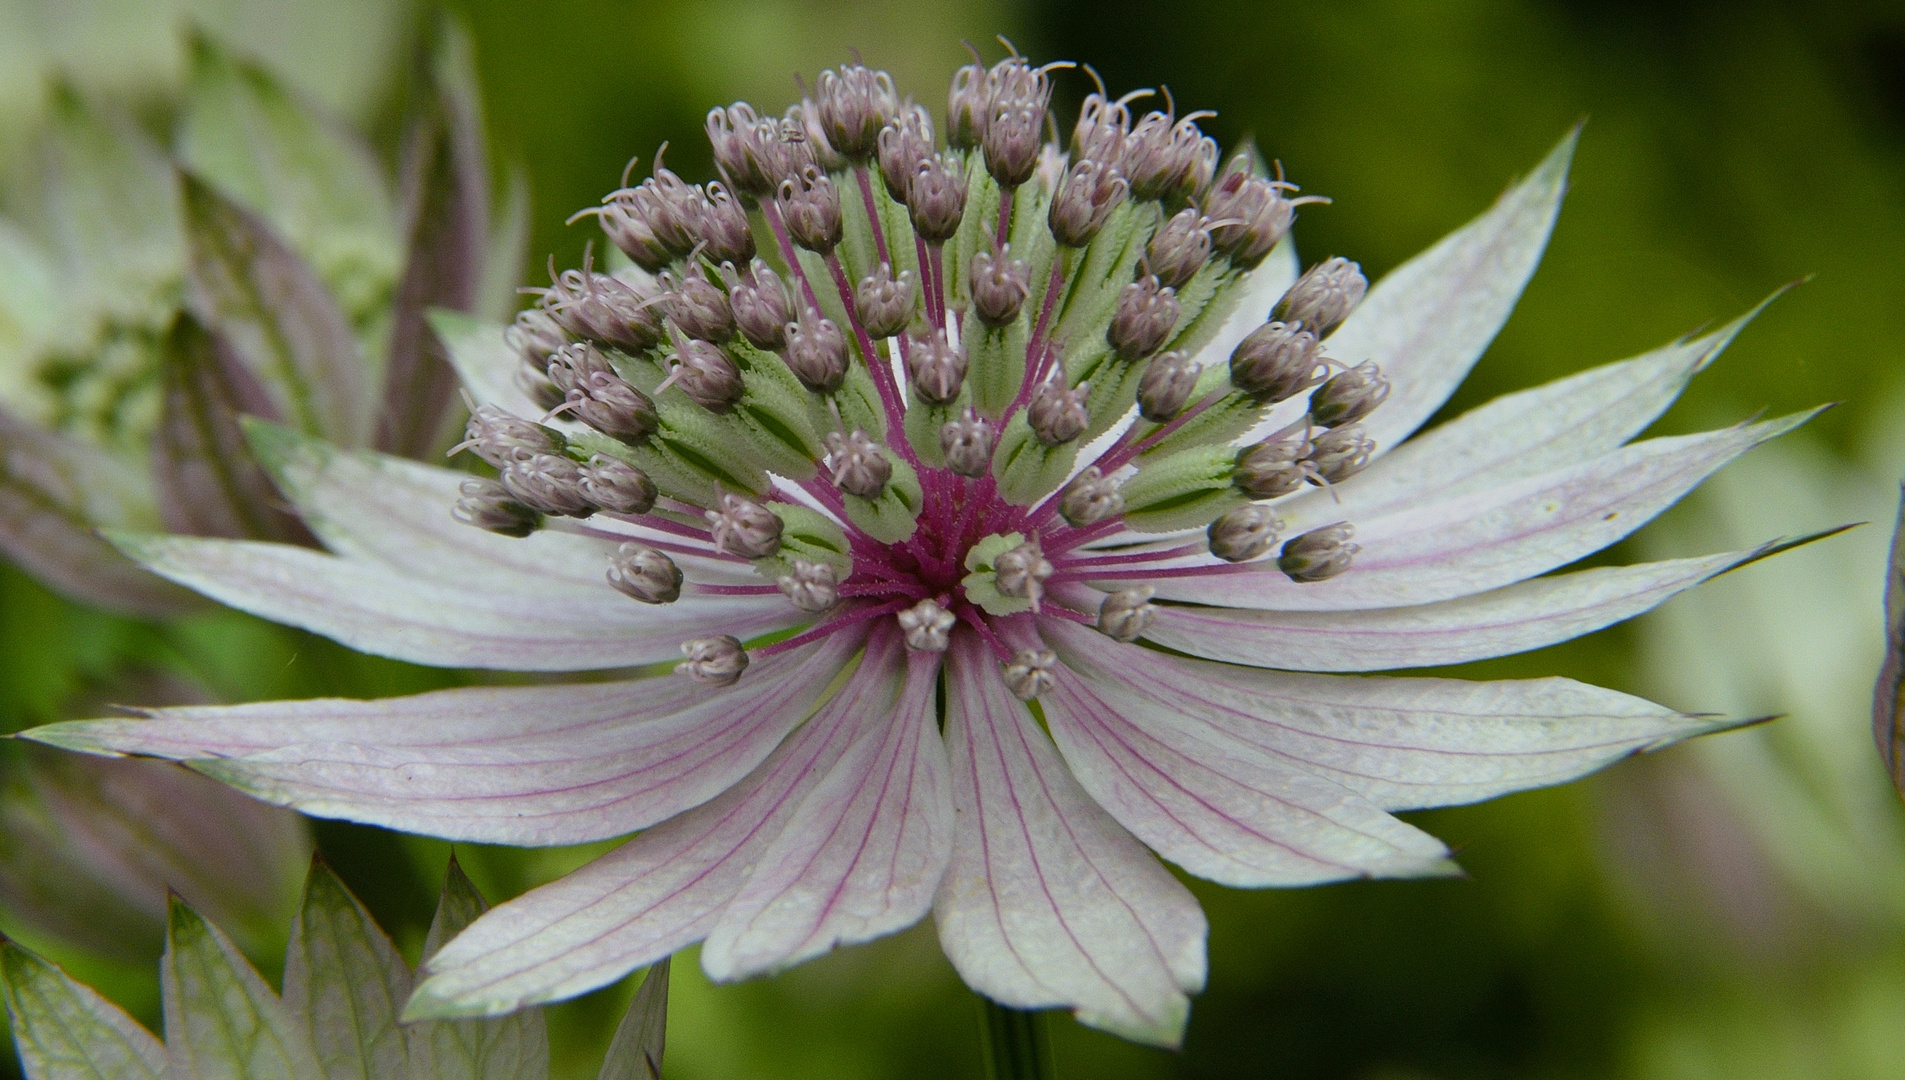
[1082,451]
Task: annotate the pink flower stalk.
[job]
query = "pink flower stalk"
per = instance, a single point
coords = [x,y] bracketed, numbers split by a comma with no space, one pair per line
[976,611]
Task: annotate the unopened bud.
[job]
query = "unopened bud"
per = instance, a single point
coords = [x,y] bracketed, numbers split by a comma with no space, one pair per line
[937,199]
[707,375]
[698,306]
[1090,498]
[1000,285]
[1349,396]
[812,587]
[858,465]
[804,117]
[1166,386]
[1275,466]
[1021,572]
[1243,534]
[1147,312]
[936,367]
[1276,361]
[1101,130]
[604,309]
[967,444]
[744,527]
[1324,296]
[1249,215]
[1015,120]
[548,484]
[499,438]
[854,104]
[1125,615]
[1340,453]
[641,572]
[816,352]
[749,150]
[1057,414]
[966,105]
[928,626]
[905,144]
[487,504]
[810,206]
[714,661]
[1318,554]
[760,304]
[1166,160]
[883,302]
[616,486]
[1178,250]
[1030,673]
[600,397]
[722,227]
[533,381]
[536,335]
[1086,197]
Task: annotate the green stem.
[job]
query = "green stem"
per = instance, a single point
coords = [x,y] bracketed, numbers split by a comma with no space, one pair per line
[1018,1043]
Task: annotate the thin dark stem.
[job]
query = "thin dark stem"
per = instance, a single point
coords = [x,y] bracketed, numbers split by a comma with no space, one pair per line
[1005,215]
[1018,1043]
[788,254]
[873,215]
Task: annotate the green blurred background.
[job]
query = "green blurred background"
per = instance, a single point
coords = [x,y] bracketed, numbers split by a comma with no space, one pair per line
[1731,910]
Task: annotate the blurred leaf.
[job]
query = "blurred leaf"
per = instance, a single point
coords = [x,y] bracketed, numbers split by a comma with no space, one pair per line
[222,1021]
[66,1031]
[636,1052]
[1888,705]
[344,982]
[498,300]
[30,305]
[279,320]
[446,216]
[498,1048]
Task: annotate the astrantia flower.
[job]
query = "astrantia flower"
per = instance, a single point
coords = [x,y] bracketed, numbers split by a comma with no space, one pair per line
[975,614]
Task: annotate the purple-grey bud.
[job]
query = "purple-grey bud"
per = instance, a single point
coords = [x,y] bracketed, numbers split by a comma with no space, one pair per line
[816,352]
[641,572]
[883,302]
[616,486]
[604,309]
[1057,414]
[803,117]
[967,443]
[1018,95]
[1090,498]
[722,225]
[1324,296]
[967,101]
[1178,250]
[937,199]
[532,379]
[1086,197]
[1101,130]
[1021,572]
[1146,314]
[1000,285]
[928,626]
[1339,453]
[1125,615]
[750,151]
[713,661]
[1031,673]
[599,396]
[1166,386]
[499,438]
[487,504]
[812,587]
[760,304]
[707,375]
[1318,554]
[854,104]
[1249,214]
[655,221]
[905,142]
[547,483]
[1243,534]
[1169,160]
[1349,395]
[936,368]
[1274,467]
[858,465]
[698,306]
[535,335]
[1275,362]
[744,527]
[810,207]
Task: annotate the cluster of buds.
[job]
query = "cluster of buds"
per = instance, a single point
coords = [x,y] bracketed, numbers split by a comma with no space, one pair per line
[537,477]
[664,219]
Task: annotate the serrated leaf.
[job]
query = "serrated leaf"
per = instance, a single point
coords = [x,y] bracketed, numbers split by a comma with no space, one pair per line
[499,1048]
[66,1031]
[1888,700]
[344,983]
[635,1053]
[221,1021]
[264,300]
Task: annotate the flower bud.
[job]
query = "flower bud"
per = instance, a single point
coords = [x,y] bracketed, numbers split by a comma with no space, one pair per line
[967,444]
[487,504]
[1145,316]
[967,102]
[1090,498]
[1100,132]
[1018,95]
[1021,572]
[535,336]
[1058,415]
[1349,396]
[928,626]
[1125,615]
[760,305]
[1273,467]
[1166,386]
[1324,296]
[750,151]
[1276,361]
[499,438]
[645,574]
[722,226]
[1086,197]
[854,104]
[905,143]
[883,302]
[744,527]
[548,484]
[1030,673]
[573,365]
[604,309]
[616,486]
[1339,453]
[858,465]
[713,661]
[816,352]
[1178,250]
[532,380]
[937,199]
[1166,160]
[707,375]
[936,367]
[654,222]
[811,209]
[1249,215]
[698,306]
[600,397]
[1243,534]
[812,587]
[1000,285]
[1318,554]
